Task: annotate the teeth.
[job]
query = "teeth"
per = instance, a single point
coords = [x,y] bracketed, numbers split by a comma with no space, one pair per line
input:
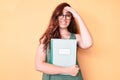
[63,22]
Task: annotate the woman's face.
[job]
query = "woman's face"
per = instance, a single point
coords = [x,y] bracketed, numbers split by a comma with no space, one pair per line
[64,19]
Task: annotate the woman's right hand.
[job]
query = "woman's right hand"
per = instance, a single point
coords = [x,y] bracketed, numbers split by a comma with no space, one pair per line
[72,70]
[73,11]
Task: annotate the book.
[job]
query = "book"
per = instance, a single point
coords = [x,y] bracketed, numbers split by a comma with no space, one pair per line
[63,52]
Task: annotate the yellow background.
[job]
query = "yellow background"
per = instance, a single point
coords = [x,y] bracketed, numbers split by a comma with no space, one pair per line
[22,22]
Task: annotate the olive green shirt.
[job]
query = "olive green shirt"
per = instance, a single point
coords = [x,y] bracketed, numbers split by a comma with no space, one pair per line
[59,76]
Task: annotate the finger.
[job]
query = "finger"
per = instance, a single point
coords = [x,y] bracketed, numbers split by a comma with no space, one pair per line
[76,66]
[67,8]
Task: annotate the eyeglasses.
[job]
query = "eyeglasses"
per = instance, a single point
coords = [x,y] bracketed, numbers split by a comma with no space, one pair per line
[67,16]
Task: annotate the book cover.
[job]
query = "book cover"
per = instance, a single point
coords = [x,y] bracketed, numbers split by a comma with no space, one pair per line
[63,52]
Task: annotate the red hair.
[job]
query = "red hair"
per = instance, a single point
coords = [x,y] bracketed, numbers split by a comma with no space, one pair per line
[53,28]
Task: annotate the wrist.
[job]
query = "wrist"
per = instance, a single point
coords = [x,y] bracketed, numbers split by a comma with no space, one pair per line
[65,70]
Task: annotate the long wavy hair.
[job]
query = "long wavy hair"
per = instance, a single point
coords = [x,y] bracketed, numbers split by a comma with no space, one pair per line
[52,30]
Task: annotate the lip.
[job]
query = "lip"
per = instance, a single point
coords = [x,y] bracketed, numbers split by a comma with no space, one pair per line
[63,23]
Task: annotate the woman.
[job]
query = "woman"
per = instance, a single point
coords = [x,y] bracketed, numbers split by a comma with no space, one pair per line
[62,25]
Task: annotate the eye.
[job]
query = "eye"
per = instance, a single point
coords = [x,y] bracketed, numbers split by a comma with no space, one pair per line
[68,15]
[61,15]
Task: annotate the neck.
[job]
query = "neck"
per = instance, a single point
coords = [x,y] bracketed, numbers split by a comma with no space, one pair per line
[64,33]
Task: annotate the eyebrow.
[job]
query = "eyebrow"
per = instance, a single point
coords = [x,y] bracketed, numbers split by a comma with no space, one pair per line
[68,12]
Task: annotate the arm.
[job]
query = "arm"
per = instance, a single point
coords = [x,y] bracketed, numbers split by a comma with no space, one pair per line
[84,39]
[42,66]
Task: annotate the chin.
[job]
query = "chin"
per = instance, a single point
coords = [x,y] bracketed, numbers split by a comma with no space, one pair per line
[63,26]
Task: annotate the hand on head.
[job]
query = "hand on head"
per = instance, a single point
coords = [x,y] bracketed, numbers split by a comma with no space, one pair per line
[71,10]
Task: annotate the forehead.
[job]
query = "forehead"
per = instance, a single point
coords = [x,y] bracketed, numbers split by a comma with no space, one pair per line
[65,12]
